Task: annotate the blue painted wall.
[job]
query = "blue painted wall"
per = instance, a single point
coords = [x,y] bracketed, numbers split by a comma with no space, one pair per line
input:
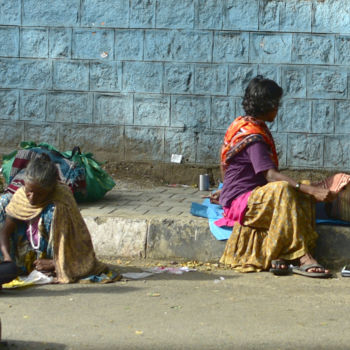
[139,80]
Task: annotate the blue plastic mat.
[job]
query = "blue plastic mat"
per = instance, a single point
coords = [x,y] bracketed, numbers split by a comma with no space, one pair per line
[212,212]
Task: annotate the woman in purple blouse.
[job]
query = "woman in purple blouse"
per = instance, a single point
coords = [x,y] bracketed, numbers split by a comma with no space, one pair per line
[273,215]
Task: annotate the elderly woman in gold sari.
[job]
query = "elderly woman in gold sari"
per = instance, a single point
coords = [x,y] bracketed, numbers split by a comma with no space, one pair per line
[44,230]
[272,214]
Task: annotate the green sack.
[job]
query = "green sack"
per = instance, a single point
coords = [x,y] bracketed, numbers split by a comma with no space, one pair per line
[98,182]
[7,161]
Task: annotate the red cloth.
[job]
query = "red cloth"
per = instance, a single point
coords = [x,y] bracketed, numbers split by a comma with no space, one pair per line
[242,132]
[236,212]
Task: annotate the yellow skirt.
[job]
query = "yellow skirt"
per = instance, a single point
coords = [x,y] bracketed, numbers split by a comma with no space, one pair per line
[279,224]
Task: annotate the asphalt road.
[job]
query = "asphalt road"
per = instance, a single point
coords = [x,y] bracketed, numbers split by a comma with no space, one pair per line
[219,309]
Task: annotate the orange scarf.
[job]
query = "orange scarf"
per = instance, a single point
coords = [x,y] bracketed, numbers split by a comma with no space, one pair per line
[242,132]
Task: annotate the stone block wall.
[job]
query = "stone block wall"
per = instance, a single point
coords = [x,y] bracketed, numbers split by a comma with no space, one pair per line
[138,80]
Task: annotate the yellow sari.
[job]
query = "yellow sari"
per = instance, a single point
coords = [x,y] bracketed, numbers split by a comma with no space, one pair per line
[73,251]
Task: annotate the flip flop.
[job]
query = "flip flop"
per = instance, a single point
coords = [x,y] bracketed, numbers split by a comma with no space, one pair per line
[302,270]
[277,270]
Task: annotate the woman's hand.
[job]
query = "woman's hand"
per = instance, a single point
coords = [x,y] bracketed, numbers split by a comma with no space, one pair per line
[44,265]
[214,197]
[6,257]
[323,195]
[319,193]
[5,234]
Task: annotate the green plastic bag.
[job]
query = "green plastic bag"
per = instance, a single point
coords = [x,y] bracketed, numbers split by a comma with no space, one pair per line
[7,161]
[98,182]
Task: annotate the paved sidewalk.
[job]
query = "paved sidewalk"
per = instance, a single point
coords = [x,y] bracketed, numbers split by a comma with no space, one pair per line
[151,202]
[156,223]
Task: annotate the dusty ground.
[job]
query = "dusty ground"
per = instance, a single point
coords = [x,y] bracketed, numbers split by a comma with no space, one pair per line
[217,309]
[212,308]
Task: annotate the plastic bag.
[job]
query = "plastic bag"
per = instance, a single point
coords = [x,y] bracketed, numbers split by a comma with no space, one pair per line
[98,182]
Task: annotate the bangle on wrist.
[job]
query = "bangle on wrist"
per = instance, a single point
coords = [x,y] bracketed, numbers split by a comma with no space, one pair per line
[297,186]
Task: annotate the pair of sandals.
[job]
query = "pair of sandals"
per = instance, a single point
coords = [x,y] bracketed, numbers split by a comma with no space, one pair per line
[278,270]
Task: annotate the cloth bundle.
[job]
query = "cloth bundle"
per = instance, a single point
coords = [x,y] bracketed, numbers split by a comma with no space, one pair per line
[340,208]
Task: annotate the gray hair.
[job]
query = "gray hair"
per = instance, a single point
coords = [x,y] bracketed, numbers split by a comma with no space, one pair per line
[42,171]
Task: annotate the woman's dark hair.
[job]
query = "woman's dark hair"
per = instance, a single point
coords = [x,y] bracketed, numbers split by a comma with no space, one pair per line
[42,171]
[261,96]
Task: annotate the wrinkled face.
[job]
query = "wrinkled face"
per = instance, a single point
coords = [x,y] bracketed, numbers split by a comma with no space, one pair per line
[35,193]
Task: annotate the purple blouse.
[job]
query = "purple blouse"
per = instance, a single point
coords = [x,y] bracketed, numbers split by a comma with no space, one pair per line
[245,172]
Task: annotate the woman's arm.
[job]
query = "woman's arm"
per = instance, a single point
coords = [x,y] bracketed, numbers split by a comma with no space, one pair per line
[5,234]
[320,194]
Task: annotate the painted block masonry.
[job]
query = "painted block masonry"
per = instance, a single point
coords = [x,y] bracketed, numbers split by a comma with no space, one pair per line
[138,80]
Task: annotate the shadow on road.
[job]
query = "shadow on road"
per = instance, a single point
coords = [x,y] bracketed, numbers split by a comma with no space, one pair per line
[67,289]
[30,345]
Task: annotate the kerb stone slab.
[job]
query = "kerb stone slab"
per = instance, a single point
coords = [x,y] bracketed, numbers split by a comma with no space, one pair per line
[117,236]
[186,238]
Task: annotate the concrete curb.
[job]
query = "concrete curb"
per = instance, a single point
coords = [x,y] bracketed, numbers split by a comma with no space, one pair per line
[157,224]
[162,238]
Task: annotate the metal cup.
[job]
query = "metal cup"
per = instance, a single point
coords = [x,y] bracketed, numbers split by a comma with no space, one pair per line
[203,182]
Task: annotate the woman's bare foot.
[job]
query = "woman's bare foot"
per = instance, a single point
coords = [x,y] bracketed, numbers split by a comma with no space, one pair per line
[44,265]
[307,259]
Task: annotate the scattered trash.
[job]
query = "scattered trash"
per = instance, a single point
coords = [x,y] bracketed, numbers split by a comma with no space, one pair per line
[171,270]
[345,272]
[137,275]
[158,269]
[139,332]
[176,158]
[34,278]
[178,185]
[219,279]
[104,54]
[187,269]
[153,294]
[176,307]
